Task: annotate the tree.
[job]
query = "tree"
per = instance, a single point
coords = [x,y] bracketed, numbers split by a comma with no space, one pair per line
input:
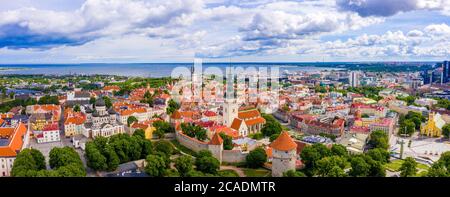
[256,158]
[206,163]
[164,146]
[112,159]
[194,131]
[108,102]
[271,127]
[76,108]
[378,139]
[331,166]
[359,167]
[64,156]
[407,127]
[183,165]
[139,133]
[438,169]
[38,158]
[172,106]
[227,141]
[293,173]
[441,168]
[446,131]
[164,127]
[201,134]
[47,99]
[409,167]
[92,100]
[273,137]
[377,168]
[131,120]
[66,162]
[339,150]
[156,166]
[309,157]
[27,163]
[379,154]
[95,159]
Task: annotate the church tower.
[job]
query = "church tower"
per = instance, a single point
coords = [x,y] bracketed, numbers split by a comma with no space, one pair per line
[230,111]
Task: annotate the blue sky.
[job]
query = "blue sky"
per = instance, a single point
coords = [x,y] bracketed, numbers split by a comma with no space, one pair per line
[79,31]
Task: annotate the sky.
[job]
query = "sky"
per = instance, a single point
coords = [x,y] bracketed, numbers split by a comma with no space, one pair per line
[137,31]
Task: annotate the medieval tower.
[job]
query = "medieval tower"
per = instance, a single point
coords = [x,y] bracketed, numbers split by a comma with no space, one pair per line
[284,154]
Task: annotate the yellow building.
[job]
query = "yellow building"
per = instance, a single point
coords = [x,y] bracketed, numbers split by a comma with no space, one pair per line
[148,129]
[433,128]
[149,132]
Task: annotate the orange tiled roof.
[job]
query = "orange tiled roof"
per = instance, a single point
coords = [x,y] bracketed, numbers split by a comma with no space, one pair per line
[176,115]
[236,124]
[284,142]
[1,121]
[48,107]
[259,120]
[6,115]
[5,132]
[249,114]
[15,145]
[76,119]
[136,125]
[111,87]
[227,130]
[128,112]
[216,139]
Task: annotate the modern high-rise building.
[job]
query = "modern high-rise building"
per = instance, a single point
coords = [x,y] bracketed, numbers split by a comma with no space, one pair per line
[353,79]
[446,71]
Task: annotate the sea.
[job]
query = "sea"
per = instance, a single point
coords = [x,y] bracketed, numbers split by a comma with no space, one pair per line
[141,69]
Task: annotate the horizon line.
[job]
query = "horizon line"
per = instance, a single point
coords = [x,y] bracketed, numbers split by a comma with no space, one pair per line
[234,62]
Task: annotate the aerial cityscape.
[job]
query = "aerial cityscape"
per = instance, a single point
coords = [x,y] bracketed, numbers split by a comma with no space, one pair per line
[149,88]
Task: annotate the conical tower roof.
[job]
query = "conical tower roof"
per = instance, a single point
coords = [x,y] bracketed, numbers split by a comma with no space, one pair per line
[284,142]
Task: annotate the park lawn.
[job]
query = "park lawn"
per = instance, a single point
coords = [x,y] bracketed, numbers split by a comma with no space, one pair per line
[395,165]
[183,148]
[260,172]
[227,173]
[422,173]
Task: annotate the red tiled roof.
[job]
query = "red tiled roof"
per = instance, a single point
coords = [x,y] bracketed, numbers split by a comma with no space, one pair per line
[176,115]
[128,112]
[112,87]
[249,114]
[216,139]
[284,142]
[136,125]
[236,124]
[210,113]
[51,127]
[77,119]
[259,120]
[227,130]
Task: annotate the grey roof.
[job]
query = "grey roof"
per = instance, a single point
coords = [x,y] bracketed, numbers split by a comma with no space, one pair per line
[76,102]
[88,110]
[40,116]
[82,94]
[111,111]
[100,102]
[4,141]
[88,125]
